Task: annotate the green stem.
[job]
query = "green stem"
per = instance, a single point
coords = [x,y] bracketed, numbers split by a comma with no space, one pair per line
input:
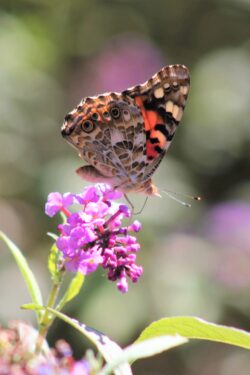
[47,319]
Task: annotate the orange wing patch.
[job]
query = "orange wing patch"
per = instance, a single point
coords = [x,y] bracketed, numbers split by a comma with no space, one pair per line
[156,141]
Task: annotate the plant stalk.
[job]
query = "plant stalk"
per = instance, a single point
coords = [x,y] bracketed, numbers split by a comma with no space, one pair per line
[46,320]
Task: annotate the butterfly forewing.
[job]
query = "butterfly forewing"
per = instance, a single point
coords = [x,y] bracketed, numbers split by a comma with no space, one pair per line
[162,101]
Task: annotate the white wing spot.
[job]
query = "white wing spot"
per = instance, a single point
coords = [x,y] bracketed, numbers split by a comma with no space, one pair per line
[159,93]
[169,106]
[184,90]
[126,116]
[177,113]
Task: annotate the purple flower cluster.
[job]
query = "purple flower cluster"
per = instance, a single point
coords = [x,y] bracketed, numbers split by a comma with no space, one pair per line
[94,235]
[62,362]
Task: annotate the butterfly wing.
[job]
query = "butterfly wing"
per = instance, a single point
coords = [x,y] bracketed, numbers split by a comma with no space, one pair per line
[162,101]
[124,136]
[108,131]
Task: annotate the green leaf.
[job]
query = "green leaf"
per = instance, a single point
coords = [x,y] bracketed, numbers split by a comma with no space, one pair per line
[144,349]
[196,328]
[25,270]
[108,348]
[53,263]
[31,306]
[72,291]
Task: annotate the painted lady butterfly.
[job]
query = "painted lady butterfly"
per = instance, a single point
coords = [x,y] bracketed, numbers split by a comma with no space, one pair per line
[124,136]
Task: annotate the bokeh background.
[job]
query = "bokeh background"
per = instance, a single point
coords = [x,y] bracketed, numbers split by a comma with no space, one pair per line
[196,260]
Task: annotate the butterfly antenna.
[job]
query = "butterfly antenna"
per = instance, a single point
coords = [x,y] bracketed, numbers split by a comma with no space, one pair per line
[132,206]
[173,195]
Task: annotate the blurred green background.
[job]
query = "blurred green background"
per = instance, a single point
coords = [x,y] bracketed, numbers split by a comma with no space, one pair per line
[196,261]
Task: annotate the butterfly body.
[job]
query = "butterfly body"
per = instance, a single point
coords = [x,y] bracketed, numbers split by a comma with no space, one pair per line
[124,136]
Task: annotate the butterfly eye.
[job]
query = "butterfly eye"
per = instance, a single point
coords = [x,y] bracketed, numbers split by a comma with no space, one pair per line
[95,116]
[115,112]
[87,126]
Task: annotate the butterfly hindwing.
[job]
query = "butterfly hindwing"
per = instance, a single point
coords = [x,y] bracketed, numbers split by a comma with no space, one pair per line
[124,136]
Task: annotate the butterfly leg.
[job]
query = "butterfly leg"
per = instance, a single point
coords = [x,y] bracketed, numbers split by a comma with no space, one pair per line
[129,202]
[133,207]
[91,174]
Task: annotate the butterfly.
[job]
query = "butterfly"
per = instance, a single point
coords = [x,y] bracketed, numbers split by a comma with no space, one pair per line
[124,136]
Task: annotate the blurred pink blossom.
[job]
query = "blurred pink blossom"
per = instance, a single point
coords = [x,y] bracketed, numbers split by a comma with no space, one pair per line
[125,61]
[229,225]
